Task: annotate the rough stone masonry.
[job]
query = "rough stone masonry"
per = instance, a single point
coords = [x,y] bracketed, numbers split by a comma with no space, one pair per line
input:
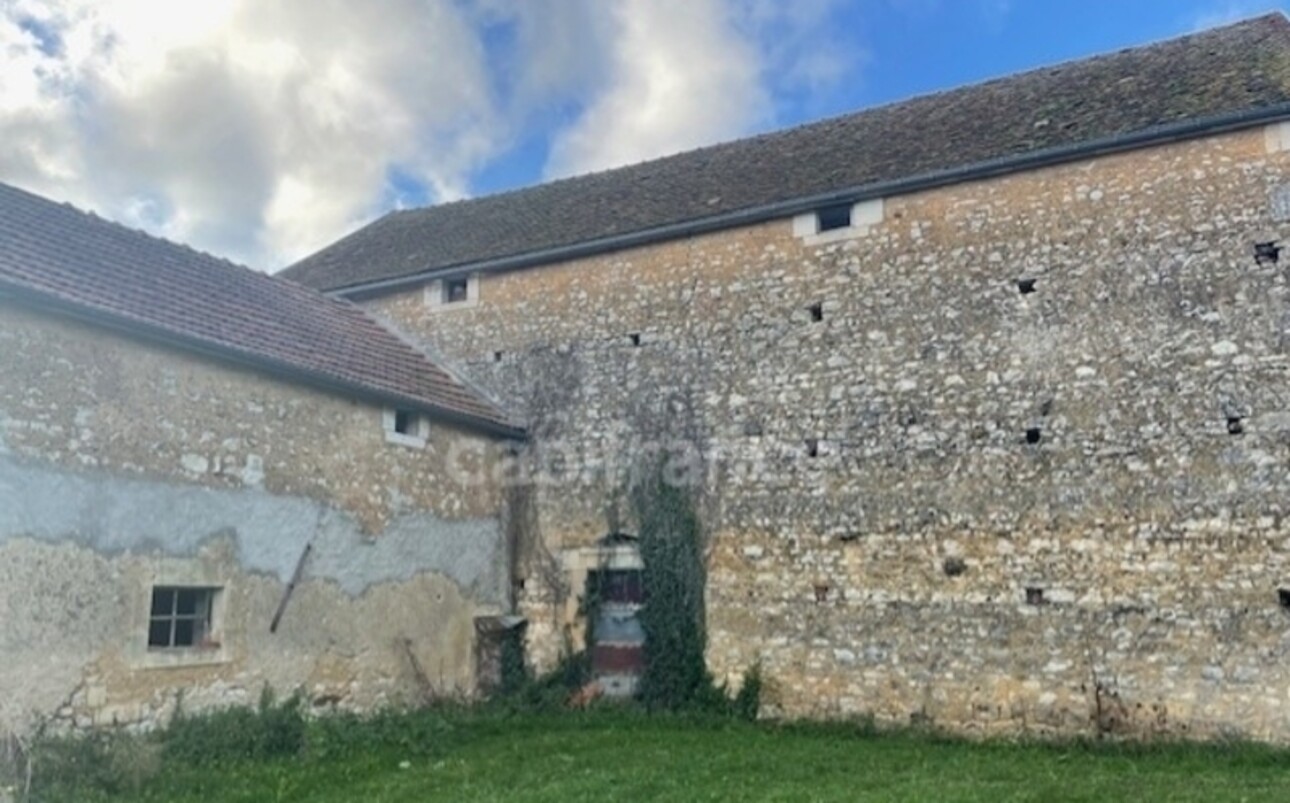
[1010,458]
[125,466]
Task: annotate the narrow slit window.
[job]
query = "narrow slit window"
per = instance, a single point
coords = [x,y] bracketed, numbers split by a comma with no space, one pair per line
[833,217]
[181,617]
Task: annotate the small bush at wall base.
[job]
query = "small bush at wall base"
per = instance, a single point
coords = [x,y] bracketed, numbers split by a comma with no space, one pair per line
[107,762]
[416,733]
[270,730]
[747,703]
[551,691]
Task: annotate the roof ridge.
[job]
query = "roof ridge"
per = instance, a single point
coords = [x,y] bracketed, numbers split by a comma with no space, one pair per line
[1272,17]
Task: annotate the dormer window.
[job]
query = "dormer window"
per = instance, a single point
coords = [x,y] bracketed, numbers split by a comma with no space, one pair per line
[453,292]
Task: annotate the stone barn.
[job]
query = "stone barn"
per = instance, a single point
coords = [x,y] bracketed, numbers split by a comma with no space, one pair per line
[983,398]
[989,388]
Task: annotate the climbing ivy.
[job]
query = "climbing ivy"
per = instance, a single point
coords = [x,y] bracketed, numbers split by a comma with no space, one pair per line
[671,547]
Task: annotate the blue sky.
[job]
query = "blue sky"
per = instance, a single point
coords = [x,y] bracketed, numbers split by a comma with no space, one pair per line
[916,47]
[263,130]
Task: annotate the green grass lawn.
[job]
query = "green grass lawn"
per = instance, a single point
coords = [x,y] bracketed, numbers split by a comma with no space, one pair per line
[623,756]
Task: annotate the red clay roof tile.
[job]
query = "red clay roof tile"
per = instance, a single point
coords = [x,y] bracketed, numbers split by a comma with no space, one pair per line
[69,258]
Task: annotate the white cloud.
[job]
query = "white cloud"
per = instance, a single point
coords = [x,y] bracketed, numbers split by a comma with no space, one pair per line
[261,129]
[670,75]
[678,75]
[1227,12]
[264,129]
[802,50]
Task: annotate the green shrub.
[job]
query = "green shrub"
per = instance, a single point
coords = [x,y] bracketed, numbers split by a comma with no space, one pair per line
[549,692]
[13,764]
[98,763]
[271,729]
[747,703]
[419,733]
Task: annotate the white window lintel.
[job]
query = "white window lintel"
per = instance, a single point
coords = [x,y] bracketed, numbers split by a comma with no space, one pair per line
[864,216]
[434,294]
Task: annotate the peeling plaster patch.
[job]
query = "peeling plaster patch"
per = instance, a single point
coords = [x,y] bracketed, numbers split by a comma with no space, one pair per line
[114,515]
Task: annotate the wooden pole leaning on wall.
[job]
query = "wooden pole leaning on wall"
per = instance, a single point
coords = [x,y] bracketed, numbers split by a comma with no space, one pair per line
[291,586]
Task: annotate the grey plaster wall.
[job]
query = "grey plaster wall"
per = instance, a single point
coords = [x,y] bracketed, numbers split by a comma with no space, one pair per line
[114,515]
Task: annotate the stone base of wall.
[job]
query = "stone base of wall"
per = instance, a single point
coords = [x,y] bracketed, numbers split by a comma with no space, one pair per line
[1125,631]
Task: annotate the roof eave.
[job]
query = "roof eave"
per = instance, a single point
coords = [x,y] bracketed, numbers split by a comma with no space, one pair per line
[1172,132]
[277,368]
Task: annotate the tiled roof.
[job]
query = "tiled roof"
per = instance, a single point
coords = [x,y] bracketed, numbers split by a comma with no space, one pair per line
[1243,68]
[59,255]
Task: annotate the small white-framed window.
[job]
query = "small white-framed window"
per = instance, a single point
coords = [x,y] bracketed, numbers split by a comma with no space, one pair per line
[828,218]
[836,222]
[406,427]
[453,292]
[183,617]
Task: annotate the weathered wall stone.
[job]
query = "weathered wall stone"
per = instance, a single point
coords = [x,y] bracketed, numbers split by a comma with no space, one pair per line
[126,465]
[1071,380]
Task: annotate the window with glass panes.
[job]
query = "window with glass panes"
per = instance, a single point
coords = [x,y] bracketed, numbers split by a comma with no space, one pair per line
[181,617]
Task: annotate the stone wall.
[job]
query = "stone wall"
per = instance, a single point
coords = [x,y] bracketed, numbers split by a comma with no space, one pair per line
[1072,380]
[126,465]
